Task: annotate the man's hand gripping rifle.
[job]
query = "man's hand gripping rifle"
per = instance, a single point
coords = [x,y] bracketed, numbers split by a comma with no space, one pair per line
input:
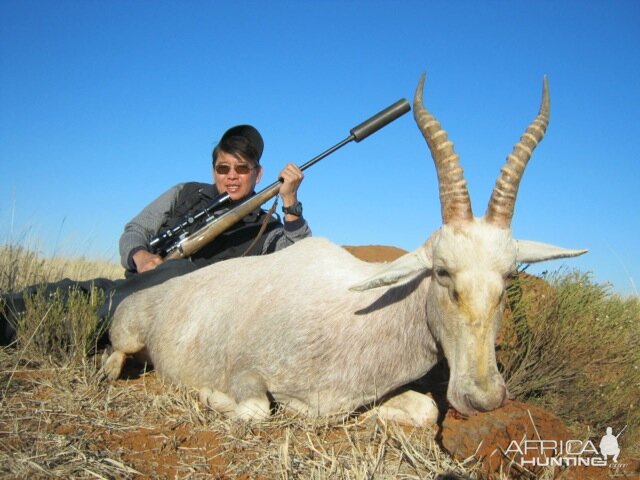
[178,243]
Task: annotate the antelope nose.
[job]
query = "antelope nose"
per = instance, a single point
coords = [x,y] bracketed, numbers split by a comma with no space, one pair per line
[485,401]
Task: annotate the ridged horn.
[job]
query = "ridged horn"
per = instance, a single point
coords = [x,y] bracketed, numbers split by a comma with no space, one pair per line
[455,202]
[503,198]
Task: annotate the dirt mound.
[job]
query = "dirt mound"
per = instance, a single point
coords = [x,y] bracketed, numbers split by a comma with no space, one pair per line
[516,439]
[375,253]
[486,437]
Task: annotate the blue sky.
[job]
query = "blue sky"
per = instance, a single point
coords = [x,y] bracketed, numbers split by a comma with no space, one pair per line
[106,104]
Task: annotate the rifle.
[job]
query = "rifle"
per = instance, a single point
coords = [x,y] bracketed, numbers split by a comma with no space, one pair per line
[168,240]
[186,245]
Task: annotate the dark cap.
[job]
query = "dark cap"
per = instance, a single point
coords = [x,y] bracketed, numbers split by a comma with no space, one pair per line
[249,134]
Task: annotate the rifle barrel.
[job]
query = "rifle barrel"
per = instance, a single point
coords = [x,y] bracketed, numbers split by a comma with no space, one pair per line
[199,239]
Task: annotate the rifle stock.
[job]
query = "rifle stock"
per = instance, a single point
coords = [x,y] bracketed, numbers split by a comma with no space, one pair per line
[194,242]
[208,233]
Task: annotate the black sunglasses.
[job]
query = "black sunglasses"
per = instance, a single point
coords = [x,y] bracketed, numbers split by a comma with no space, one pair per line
[223,169]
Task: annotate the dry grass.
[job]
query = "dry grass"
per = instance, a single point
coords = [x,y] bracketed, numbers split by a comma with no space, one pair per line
[63,422]
[57,419]
[64,331]
[21,267]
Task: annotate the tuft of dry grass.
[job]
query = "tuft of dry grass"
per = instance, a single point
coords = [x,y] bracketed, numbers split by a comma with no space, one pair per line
[21,267]
[63,330]
[64,326]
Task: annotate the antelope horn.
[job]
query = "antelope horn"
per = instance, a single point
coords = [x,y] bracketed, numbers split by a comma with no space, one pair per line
[503,198]
[455,202]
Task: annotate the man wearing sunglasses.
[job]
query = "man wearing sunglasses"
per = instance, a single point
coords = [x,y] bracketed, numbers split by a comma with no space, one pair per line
[236,170]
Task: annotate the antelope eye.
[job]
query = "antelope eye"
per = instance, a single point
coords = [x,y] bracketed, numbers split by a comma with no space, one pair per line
[441,272]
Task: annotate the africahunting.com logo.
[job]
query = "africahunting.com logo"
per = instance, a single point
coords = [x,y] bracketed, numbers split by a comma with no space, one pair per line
[567,453]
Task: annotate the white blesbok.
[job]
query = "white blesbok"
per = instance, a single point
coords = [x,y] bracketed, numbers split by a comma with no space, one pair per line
[322,332]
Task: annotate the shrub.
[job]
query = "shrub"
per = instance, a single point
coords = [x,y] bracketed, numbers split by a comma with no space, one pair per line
[572,345]
[64,327]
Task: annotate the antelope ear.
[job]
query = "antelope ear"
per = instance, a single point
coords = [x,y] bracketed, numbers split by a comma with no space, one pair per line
[405,267]
[531,252]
